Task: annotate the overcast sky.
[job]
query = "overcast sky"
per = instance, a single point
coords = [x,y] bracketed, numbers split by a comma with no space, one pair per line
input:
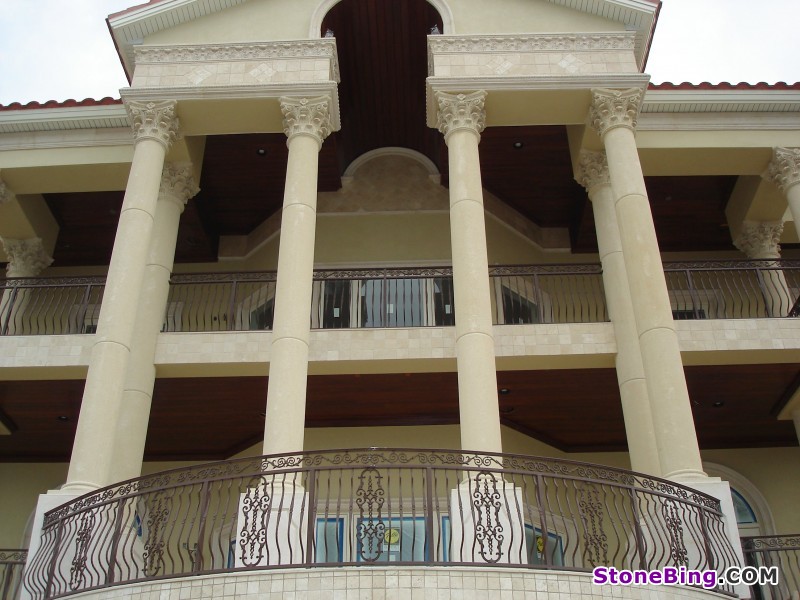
[60,49]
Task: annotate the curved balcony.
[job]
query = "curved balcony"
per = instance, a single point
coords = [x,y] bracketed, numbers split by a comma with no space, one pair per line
[376,509]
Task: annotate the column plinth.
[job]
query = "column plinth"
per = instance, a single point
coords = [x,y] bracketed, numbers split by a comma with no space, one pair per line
[594,176]
[613,116]
[154,127]
[461,120]
[306,125]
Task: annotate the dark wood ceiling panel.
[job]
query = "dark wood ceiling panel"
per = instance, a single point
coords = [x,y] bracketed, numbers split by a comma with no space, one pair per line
[576,410]
[688,212]
[382,48]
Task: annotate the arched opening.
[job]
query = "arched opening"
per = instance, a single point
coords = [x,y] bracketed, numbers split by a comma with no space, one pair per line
[383,59]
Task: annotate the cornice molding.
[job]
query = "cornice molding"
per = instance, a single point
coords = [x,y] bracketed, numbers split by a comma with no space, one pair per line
[61,119]
[540,42]
[315,48]
[703,101]
[717,121]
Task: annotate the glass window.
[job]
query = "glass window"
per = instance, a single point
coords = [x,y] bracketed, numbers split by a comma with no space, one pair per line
[330,540]
[518,310]
[261,316]
[744,513]
[535,547]
[336,304]
[392,539]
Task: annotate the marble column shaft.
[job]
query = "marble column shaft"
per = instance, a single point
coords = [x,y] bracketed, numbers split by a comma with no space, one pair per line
[639,430]
[461,119]
[613,115]
[155,128]
[177,186]
[306,124]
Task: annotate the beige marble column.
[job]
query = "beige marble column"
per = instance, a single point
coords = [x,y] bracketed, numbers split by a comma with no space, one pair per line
[593,175]
[461,119]
[759,240]
[154,129]
[306,123]
[26,258]
[784,171]
[177,186]
[613,115]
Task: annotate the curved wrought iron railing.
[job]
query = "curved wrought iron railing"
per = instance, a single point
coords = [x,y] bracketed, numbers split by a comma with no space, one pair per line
[12,563]
[782,551]
[371,507]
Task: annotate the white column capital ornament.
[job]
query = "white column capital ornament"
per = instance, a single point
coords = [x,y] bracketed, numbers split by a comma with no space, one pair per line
[784,170]
[6,195]
[154,120]
[615,108]
[592,170]
[177,184]
[461,111]
[307,116]
[26,258]
[759,239]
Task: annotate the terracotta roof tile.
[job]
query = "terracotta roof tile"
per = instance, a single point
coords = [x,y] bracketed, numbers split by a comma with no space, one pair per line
[65,104]
[705,85]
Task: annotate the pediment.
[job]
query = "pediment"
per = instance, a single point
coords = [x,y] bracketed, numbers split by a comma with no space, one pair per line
[167,22]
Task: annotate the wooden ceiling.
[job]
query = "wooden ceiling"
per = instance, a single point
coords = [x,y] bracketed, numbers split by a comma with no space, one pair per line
[243,176]
[574,410]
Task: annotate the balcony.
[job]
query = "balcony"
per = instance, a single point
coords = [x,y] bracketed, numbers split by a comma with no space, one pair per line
[12,563]
[413,297]
[376,508]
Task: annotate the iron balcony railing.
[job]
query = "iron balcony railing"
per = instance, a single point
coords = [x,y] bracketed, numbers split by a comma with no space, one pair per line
[412,297]
[782,551]
[12,563]
[361,508]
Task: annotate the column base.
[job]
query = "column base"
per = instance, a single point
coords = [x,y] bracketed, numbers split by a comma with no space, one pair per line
[272,525]
[721,490]
[487,522]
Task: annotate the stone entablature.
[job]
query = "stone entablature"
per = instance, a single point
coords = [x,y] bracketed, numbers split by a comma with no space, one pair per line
[531,55]
[236,64]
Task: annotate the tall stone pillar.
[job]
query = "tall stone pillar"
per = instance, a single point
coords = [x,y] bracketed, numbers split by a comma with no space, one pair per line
[306,123]
[614,115]
[177,186]
[154,128]
[26,258]
[784,171]
[593,175]
[759,240]
[461,119]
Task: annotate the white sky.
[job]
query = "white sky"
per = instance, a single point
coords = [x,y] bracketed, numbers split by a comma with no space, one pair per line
[60,49]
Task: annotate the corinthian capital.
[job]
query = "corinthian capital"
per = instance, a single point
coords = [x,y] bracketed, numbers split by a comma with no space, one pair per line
[26,258]
[177,184]
[154,120]
[784,170]
[614,108]
[592,169]
[6,195]
[307,116]
[461,111]
[759,239]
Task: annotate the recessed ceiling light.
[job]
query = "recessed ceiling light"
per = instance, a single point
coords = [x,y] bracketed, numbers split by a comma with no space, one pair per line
[518,145]
[505,391]
[261,151]
[718,404]
[62,418]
